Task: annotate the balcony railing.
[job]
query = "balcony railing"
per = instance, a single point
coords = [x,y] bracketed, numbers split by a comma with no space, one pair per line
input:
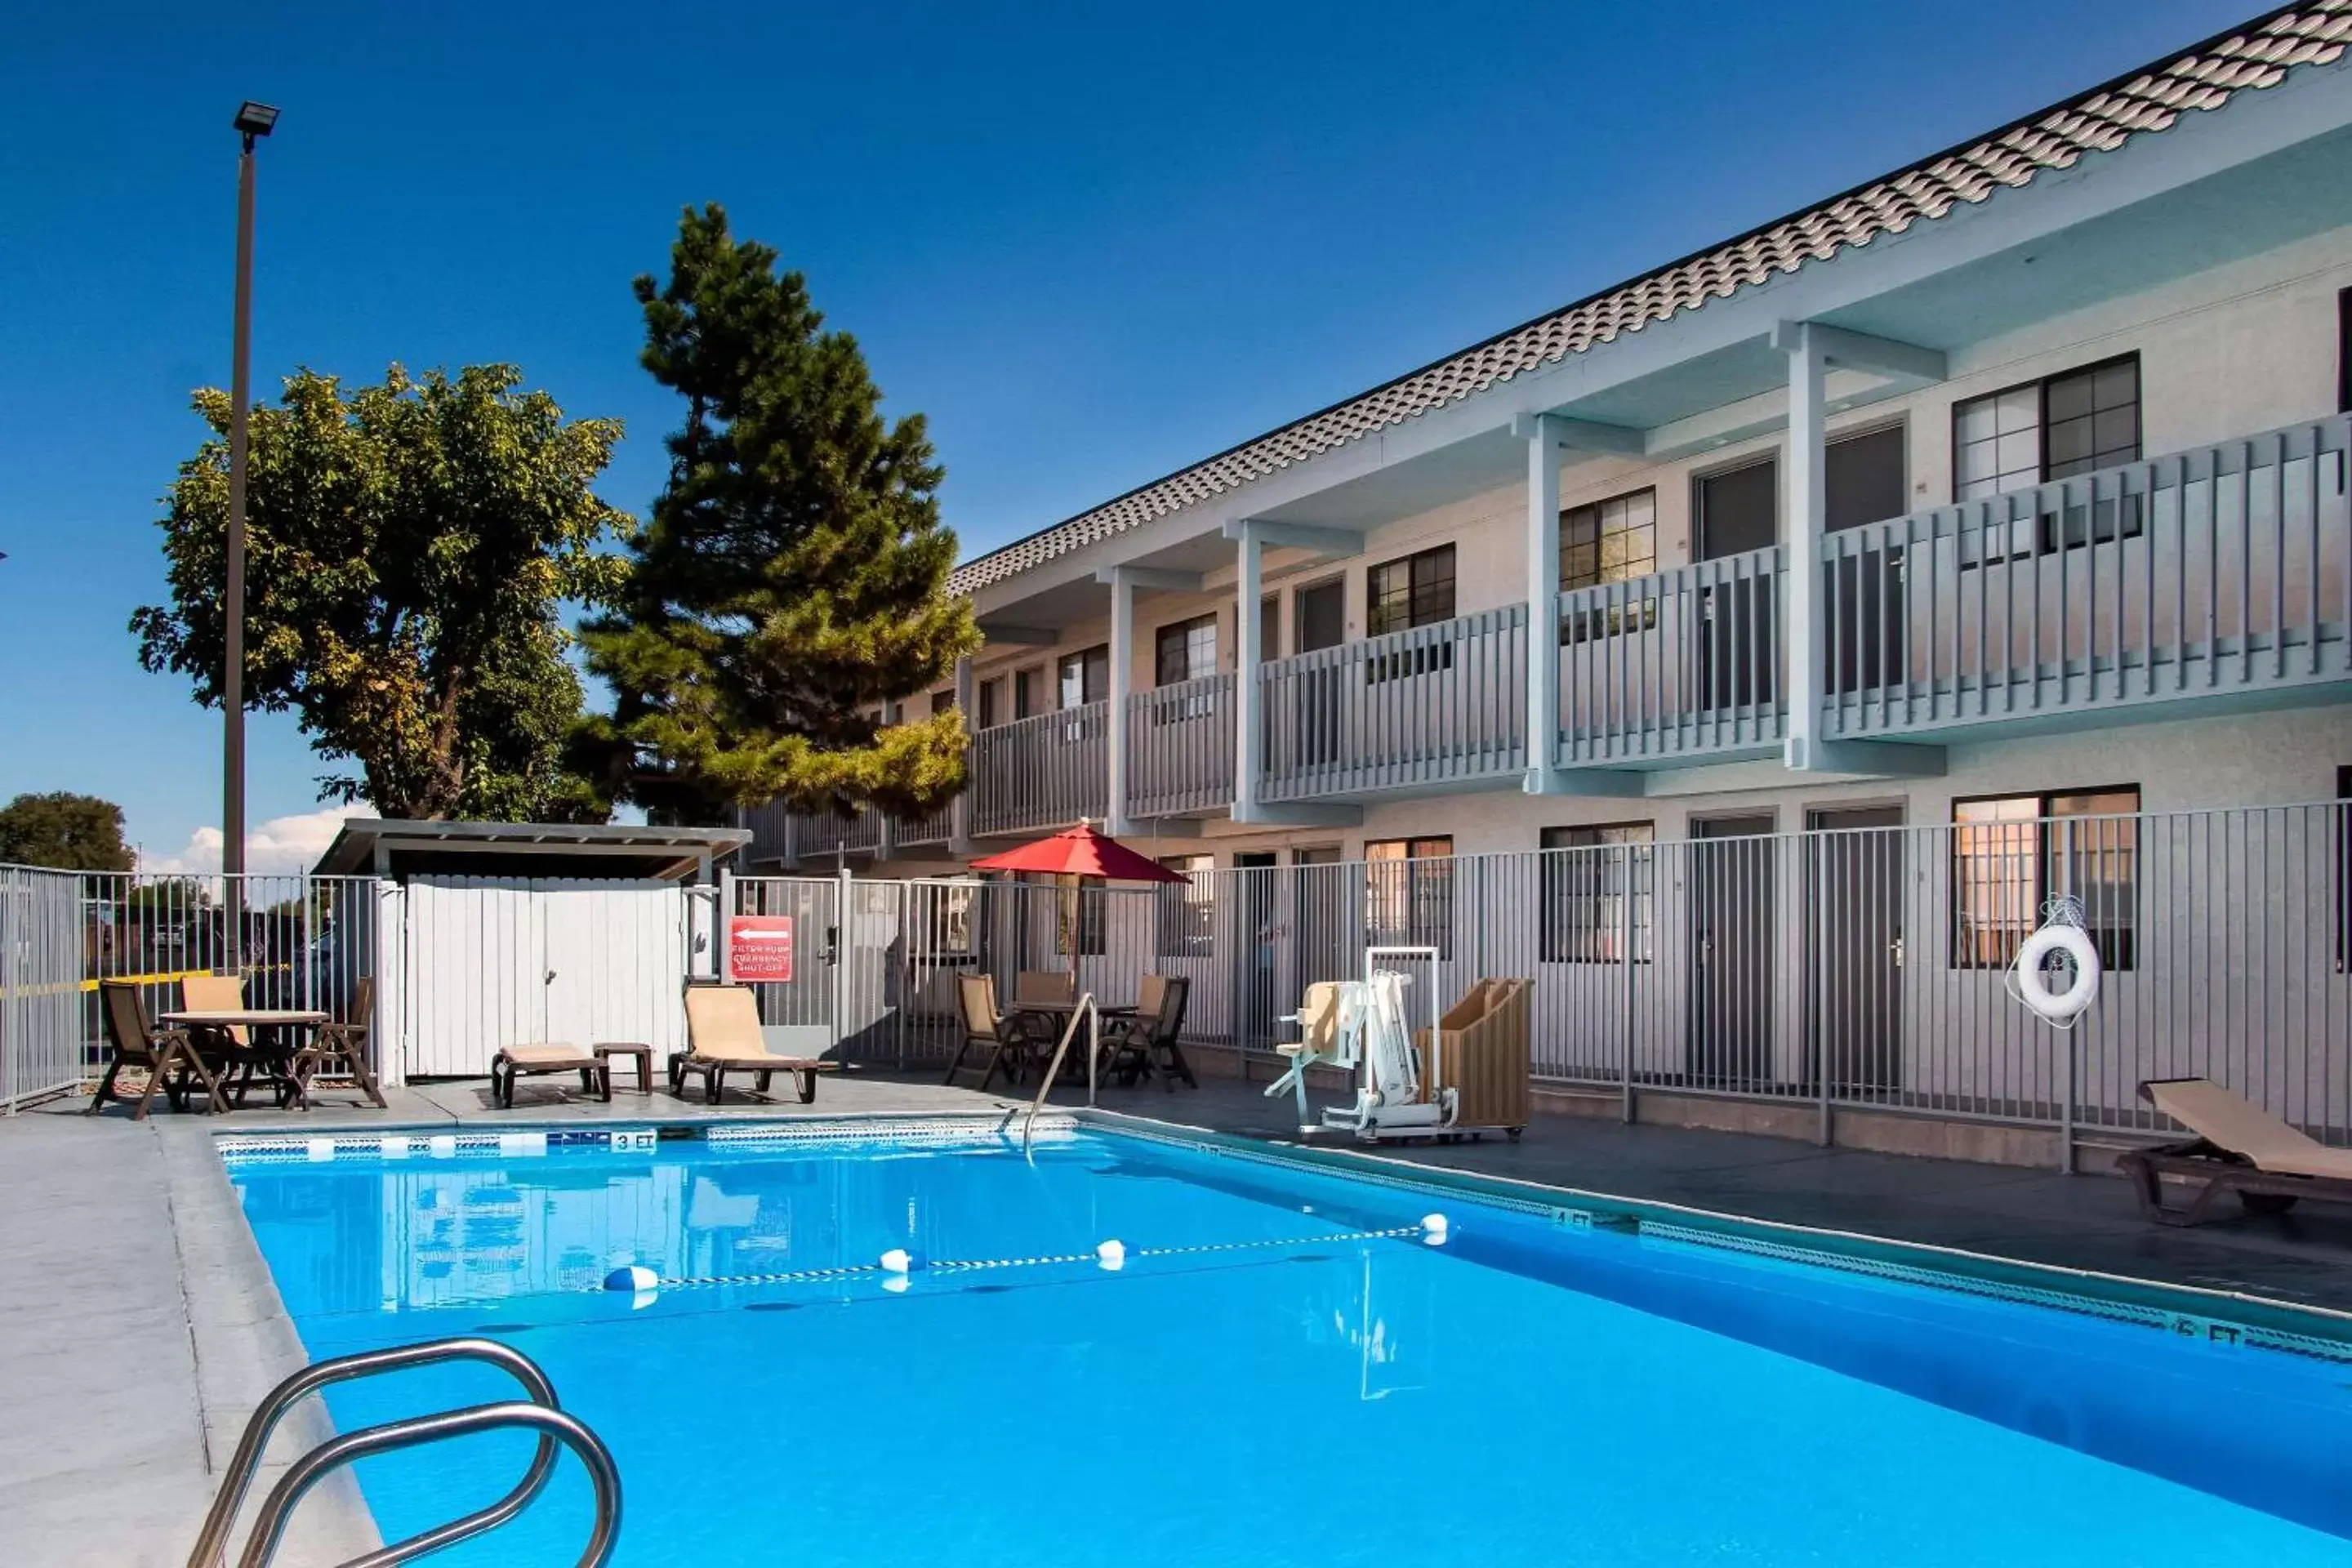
[1045,770]
[1674,664]
[1432,705]
[1180,747]
[935,828]
[2216,570]
[839,833]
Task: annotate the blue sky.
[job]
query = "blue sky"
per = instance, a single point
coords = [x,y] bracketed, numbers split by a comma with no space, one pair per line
[1090,244]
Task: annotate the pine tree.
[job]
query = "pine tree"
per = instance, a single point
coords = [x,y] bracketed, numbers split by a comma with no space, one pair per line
[792,583]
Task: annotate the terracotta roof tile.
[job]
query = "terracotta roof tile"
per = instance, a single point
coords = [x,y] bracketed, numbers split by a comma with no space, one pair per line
[2258,54]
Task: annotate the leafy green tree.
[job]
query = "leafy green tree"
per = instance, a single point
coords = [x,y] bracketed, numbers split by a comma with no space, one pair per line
[66,831]
[409,549]
[791,583]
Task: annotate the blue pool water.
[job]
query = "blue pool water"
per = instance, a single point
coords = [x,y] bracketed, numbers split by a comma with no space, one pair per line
[1291,1393]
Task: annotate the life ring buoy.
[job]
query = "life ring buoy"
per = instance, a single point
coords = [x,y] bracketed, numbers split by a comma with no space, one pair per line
[2057,1006]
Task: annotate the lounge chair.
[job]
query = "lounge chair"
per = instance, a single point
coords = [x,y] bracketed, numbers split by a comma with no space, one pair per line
[1318,1029]
[722,1036]
[2239,1148]
[339,1050]
[164,1055]
[529,1061]
[1148,1043]
[996,1038]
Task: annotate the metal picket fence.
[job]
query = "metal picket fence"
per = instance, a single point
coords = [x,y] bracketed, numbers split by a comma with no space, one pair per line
[1842,968]
[298,940]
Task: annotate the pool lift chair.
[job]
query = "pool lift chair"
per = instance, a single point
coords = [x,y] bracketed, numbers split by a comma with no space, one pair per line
[1374,1032]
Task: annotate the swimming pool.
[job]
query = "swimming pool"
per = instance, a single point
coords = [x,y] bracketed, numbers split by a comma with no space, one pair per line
[1284,1370]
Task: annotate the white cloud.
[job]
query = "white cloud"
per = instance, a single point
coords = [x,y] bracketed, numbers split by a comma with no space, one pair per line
[280,845]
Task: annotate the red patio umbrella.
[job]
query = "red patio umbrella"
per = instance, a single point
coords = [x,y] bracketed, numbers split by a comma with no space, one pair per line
[1080,851]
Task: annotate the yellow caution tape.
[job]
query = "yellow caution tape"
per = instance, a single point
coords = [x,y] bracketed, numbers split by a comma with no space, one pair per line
[162,978]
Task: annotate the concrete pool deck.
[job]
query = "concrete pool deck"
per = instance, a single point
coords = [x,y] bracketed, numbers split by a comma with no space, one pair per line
[137,1324]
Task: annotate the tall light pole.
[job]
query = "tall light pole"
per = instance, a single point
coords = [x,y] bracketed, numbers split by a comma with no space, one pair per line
[254,121]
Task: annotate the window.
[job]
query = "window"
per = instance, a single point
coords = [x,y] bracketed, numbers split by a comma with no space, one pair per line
[1026,695]
[1186,651]
[1610,540]
[2066,425]
[1408,893]
[989,698]
[2013,854]
[1417,591]
[1084,676]
[1613,540]
[1187,912]
[943,703]
[1078,921]
[1586,890]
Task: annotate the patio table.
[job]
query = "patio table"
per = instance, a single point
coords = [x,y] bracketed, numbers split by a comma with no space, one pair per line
[208,1026]
[1058,1016]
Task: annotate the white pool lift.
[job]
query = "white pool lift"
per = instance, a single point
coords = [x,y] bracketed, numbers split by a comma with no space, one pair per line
[1374,1034]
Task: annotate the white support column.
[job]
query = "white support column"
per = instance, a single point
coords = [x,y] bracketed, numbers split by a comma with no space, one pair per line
[1802,628]
[1249,730]
[960,814]
[1543,608]
[1122,675]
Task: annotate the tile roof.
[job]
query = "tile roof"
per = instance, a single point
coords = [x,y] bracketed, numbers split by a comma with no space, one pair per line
[2256,55]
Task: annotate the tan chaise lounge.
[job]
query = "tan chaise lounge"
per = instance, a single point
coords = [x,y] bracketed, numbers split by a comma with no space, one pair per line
[529,1061]
[722,1034]
[2237,1148]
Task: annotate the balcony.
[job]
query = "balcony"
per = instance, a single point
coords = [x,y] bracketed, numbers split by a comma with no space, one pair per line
[1407,712]
[1043,772]
[1680,665]
[1179,748]
[2216,571]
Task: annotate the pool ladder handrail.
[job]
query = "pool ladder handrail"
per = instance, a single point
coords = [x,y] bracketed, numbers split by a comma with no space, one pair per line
[540,1411]
[1091,1011]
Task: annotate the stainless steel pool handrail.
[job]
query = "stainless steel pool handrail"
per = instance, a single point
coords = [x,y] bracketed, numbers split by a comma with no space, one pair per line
[213,1541]
[1090,1011]
[553,1426]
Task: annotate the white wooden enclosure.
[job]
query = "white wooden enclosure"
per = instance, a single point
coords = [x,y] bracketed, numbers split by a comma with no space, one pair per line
[494,961]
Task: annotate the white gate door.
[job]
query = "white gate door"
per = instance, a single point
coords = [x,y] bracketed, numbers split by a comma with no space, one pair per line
[504,960]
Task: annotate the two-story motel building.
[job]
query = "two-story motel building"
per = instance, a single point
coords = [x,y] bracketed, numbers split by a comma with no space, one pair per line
[2006,488]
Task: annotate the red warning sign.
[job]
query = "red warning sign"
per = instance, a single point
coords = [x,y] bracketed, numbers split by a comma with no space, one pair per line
[760,948]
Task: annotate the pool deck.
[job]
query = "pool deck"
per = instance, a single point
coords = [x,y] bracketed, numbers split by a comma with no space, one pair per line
[138,1326]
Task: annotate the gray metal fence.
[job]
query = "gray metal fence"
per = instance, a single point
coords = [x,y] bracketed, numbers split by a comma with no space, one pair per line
[1842,968]
[40,983]
[298,942]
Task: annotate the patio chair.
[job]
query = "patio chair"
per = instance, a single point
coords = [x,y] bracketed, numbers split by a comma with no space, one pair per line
[232,1046]
[529,1061]
[338,1051]
[2237,1148]
[1318,1029]
[997,1037]
[1149,1044]
[723,1036]
[133,1042]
